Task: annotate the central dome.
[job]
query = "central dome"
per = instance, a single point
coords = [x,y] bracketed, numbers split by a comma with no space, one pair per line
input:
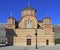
[28,11]
[28,8]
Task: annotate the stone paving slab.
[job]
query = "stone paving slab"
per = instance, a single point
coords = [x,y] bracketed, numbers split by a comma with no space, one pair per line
[57,47]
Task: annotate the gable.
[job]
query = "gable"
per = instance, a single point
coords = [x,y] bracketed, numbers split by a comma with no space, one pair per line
[22,23]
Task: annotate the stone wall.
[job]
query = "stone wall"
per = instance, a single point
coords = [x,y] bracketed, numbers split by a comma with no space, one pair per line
[22,34]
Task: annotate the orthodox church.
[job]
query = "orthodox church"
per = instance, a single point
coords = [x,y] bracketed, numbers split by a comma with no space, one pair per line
[29,31]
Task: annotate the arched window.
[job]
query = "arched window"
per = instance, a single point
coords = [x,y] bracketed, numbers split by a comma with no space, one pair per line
[28,23]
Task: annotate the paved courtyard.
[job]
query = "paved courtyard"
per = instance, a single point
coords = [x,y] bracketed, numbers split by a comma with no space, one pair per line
[57,47]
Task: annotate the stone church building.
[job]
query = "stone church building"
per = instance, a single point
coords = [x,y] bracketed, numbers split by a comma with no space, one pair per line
[22,33]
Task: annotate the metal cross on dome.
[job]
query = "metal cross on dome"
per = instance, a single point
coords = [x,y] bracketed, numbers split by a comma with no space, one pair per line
[11,14]
[29,3]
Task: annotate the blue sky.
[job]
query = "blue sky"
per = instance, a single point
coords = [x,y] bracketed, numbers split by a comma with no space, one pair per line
[43,7]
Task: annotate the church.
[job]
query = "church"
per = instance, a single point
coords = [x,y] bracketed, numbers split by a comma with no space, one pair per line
[29,31]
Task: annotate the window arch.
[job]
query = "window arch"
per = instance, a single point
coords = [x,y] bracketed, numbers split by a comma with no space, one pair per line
[28,23]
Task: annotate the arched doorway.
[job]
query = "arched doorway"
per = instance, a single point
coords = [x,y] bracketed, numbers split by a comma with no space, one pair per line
[28,40]
[47,42]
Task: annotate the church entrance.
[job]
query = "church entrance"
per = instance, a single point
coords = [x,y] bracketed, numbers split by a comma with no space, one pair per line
[47,42]
[28,41]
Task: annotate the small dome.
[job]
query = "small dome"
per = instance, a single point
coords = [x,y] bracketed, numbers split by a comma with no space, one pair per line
[47,18]
[10,18]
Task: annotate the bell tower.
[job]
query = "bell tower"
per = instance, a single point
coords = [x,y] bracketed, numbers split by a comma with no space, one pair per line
[10,22]
[47,20]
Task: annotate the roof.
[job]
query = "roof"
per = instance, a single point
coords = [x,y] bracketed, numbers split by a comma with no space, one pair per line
[47,18]
[57,31]
[2,33]
[11,17]
[2,30]
[40,21]
[28,8]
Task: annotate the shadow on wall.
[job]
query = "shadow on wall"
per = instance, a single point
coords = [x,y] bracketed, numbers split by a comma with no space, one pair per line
[10,33]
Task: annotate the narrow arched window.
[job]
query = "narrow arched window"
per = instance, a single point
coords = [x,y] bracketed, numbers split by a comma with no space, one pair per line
[28,23]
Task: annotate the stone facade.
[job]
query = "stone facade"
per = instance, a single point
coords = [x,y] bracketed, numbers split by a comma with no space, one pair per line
[23,32]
